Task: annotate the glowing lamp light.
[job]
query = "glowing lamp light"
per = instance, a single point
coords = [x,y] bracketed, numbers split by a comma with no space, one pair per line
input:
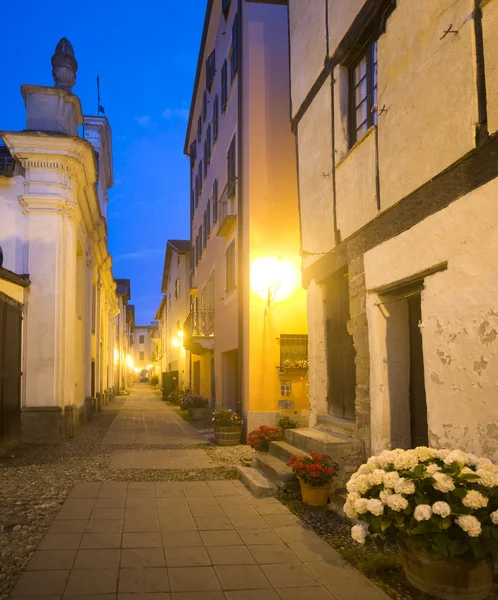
[129,361]
[116,356]
[175,342]
[180,334]
[137,370]
[274,279]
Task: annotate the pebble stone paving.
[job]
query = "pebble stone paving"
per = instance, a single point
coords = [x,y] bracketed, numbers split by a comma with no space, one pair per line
[181,540]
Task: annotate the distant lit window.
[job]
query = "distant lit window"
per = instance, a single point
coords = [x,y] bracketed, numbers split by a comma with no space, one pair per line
[141,339]
[363,93]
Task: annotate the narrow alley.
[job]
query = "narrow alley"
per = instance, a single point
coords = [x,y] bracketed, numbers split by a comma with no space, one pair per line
[141,503]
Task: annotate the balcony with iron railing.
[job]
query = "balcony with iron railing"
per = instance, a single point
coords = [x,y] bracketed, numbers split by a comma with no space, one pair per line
[227,210]
[198,331]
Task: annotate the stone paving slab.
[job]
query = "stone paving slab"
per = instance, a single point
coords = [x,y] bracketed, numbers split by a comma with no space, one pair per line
[183,541]
[144,419]
[161,459]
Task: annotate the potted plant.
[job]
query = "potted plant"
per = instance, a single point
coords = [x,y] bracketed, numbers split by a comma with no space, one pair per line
[261,438]
[287,423]
[442,506]
[315,472]
[196,406]
[227,427]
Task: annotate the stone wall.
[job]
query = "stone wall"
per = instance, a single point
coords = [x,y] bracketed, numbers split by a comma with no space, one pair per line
[358,328]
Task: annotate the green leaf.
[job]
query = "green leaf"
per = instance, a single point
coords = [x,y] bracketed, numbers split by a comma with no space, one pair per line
[494,533]
[385,525]
[418,471]
[459,493]
[441,540]
[445,523]
[440,550]
[457,548]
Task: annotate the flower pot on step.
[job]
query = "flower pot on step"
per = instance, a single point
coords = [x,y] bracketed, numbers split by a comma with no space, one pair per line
[228,435]
[314,495]
[446,577]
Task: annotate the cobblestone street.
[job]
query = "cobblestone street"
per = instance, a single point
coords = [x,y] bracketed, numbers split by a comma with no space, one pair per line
[87,519]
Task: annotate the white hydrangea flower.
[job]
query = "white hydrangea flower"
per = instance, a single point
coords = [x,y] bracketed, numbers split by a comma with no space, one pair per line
[423,512]
[375,506]
[475,500]
[405,461]
[472,459]
[443,453]
[349,510]
[362,484]
[359,533]
[353,497]
[373,463]
[494,517]
[384,495]
[351,485]
[390,479]
[404,486]
[376,477]
[443,483]
[364,470]
[484,462]
[432,468]
[424,453]
[488,476]
[467,471]
[442,509]
[397,502]
[360,506]
[470,525]
[457,456]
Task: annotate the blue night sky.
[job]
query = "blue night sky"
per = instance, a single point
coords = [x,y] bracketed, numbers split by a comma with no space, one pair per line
[146,56]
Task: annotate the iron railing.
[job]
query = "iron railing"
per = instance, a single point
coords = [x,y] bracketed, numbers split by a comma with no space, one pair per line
[200,323]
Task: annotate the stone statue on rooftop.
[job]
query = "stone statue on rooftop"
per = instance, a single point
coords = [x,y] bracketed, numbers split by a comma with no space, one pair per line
[64,65]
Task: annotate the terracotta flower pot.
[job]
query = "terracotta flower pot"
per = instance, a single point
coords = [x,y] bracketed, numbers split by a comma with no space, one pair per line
[315,495]
[227,436]
[446,577]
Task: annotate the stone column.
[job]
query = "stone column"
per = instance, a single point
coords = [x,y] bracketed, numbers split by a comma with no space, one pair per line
[317,353]
[51,302]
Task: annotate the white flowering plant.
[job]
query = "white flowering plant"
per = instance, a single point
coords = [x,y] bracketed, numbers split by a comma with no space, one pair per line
[443,501]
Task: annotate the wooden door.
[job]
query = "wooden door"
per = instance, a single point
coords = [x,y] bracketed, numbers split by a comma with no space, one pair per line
[418,404]
[10,371]
[340,350]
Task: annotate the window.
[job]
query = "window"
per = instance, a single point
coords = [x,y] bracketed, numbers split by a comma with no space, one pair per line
[206,229]
[201,241]
[225,7]
[293,351]
[204,106]
[235,48]
[199,175]
[363,94]
[210,69]
[193,151]
[224,86]
[199,128]
[215,119]
[231,169]
[215,201]
[206,157]
[141,356]
[178,261]
[230,267]
[193,264]
[141,339]
[208,140]
[196,192]
[208,213]
[177,288]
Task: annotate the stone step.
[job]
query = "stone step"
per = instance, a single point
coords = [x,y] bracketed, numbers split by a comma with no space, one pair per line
[341,449]
[284,451]
[276,471]
[256,482]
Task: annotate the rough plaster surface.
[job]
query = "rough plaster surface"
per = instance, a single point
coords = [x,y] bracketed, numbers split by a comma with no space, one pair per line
[489,29]
[459,320]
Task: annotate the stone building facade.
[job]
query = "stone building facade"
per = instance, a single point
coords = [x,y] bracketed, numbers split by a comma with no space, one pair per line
[53,205]
[395,114]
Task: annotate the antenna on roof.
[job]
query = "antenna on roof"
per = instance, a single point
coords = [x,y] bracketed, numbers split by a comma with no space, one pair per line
[100,108]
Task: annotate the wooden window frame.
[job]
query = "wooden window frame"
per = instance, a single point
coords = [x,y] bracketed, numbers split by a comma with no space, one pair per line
[215,201]
[231,168]
[369,52]
[230,270]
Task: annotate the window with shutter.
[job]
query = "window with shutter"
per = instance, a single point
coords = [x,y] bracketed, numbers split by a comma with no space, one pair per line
[208,216]
[196,193]
[199,175]
[199,128]
[193,152]
[230,267]
[210,69]
[215,119]
[208,140]
[231,169]
[225,7]
[204,106]
[215,201]
[224,86]
[206,157]
[235,48]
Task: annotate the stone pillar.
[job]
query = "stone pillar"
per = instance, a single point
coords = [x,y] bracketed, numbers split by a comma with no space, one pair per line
[51,302]
[317,353]
[358,328]
[98,337]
